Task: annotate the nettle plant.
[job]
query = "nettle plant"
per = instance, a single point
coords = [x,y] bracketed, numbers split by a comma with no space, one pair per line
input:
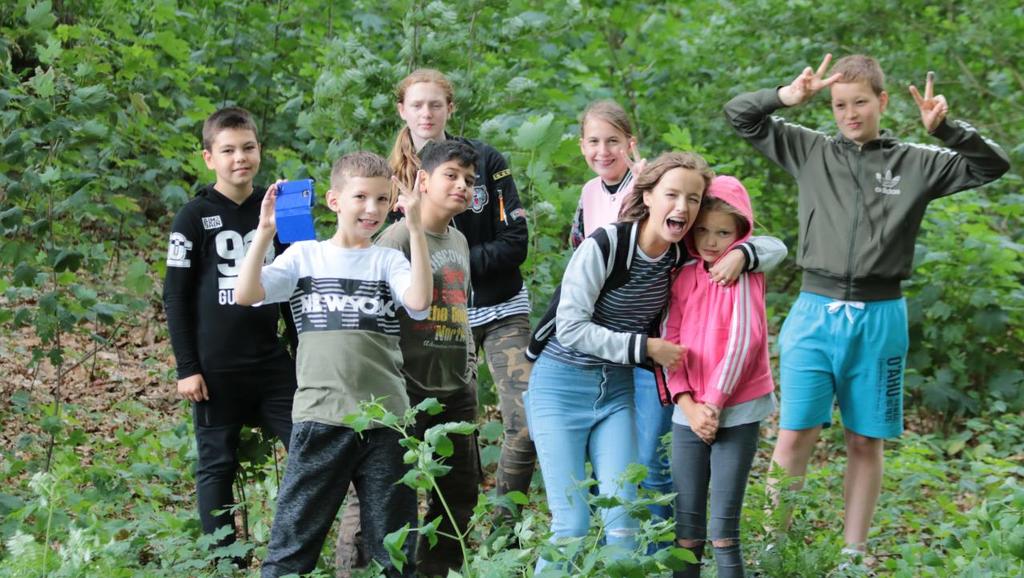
[494,545]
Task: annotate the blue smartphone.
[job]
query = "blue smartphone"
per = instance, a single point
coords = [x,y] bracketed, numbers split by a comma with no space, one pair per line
[294,212]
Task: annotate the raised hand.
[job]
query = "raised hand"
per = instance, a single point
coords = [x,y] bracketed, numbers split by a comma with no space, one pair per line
[933,108]
[409,200]
[634,161]
[268,209]
[807,84]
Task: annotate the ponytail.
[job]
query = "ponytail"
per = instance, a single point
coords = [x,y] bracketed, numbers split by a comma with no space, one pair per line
[403,161]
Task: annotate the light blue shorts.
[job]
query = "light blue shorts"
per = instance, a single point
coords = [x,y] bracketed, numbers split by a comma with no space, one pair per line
[854,352]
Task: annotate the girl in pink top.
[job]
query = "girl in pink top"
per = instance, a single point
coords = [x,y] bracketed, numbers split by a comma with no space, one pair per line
[723,388]
[609,147]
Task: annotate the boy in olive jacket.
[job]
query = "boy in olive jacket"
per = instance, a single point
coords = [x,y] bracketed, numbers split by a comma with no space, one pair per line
[862,197]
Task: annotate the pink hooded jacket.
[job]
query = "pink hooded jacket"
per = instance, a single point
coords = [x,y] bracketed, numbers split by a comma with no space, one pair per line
[723,328]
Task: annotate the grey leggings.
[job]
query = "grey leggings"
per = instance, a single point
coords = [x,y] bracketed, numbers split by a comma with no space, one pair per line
[722,468]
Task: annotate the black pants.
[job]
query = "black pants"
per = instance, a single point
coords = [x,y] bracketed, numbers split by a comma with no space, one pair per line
[323,461]
[460,486]
[236,399]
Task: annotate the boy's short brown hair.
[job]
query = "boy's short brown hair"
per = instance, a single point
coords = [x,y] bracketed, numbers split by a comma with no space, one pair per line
[359,164]
[227,118]
[860,67]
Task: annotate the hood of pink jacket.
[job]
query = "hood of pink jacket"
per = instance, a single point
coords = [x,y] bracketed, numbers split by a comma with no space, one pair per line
[724,329]
[732,191]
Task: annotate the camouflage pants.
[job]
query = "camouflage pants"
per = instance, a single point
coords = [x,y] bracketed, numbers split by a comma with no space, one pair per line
[504,342]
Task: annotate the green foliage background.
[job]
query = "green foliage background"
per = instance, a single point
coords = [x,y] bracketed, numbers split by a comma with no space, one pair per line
[102,101]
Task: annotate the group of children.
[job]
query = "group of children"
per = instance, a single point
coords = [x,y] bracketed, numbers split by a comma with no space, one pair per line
[659,322]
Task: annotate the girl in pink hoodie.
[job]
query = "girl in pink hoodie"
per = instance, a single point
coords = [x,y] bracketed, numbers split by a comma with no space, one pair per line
[723,387]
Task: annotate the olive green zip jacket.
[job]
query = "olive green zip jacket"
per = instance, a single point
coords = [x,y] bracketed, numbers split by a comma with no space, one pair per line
[860,207]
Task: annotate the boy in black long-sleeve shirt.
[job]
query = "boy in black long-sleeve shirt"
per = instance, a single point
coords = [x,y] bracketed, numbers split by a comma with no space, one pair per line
[230,361]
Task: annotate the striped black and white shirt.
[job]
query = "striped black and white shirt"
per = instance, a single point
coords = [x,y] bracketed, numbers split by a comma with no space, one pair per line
[618,319]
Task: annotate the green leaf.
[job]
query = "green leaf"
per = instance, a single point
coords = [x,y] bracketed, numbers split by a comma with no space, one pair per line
[532,133]
[957,443]
[1006,383]
[518,498]
[429,405]
[10,503]
[173,195]
[460,427]
[444,446]
[108,312]
[675,558]
[94,129]
[67,260]
[393,543]
[137,279]
[20,400]
[991,321]
[12,217]
[89,99]
[51,52]
[40,15]
[75,203]
[491,431]
[52,424]
[430,530]
[24,274]
[123,203]
[357,421]
[43,83]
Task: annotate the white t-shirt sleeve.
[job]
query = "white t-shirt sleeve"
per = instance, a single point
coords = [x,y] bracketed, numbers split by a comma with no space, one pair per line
[280,277]
[399,278]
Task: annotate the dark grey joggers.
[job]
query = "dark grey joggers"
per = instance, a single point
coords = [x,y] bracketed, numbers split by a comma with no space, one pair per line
[322,461]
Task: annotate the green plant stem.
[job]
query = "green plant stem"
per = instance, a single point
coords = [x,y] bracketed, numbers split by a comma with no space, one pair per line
[49,523]
[459,535]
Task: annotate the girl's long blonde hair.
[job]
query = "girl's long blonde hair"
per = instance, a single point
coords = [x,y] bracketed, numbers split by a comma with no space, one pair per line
[403,160]
[633,207]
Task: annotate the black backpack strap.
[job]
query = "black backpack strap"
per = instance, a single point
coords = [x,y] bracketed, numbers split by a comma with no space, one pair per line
[546,327]
[625,250]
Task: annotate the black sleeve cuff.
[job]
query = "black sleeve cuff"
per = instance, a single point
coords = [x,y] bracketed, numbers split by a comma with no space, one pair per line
[749,255]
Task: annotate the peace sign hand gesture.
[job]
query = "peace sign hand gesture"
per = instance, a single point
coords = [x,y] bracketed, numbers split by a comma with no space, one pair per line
[933,108]
[807,84]
[634,161]
[409,201]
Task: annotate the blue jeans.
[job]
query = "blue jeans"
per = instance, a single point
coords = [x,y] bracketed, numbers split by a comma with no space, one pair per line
[653,421]
[576,413]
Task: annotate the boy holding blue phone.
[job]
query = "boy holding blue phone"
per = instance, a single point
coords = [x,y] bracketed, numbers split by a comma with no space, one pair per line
[231,363]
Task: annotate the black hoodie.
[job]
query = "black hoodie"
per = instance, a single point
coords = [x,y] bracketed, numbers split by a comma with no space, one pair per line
[495,227]
[209,332]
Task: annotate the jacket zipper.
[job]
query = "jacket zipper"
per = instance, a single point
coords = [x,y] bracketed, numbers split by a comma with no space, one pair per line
[859,202]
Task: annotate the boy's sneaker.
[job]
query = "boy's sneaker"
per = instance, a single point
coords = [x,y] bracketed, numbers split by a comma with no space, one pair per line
[854,559]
